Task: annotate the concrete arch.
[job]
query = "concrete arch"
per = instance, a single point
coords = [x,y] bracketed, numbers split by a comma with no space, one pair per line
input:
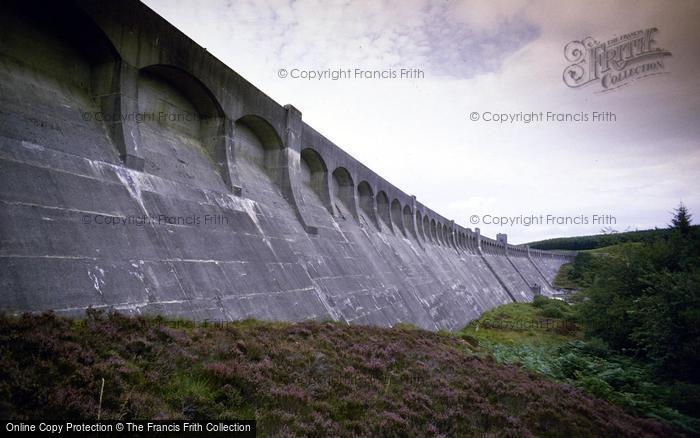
[408,221]
[426,229]
[314,173]
[365,197]
[82,54]
[434,231]
[383,209]
[258,142]
[196,92]
[420,232]
[397,216]
[58,40]
[184,128]
[344,190]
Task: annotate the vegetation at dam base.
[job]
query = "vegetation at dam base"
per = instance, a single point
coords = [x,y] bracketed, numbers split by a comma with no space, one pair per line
[311,378]
[547,337]
[617,359]
[638,310]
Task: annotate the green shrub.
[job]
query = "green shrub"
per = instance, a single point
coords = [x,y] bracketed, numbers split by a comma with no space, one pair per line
[595,385]
[540,301]
[552,312]
[552,308]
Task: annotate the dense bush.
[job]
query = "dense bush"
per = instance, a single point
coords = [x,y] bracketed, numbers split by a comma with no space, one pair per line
[553,308]
[645,301]
[582,268]
[591,366]
[586,363]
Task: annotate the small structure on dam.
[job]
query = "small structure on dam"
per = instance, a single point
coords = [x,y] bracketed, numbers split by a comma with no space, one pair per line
[139,173]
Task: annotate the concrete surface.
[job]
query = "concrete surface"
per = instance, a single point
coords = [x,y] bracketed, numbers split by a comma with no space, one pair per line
[230,205]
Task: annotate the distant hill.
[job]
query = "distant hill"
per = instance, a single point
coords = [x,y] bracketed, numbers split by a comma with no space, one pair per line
[579,243]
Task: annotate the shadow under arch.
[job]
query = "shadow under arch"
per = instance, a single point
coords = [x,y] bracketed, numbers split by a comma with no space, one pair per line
[180,116]
[259,142]
[196,92]
[383,209]
[314,173]
[344,190]
[420,232]
[366,201]
[426,229]
[408,221]
[66,22]
[58,47]
[397,216]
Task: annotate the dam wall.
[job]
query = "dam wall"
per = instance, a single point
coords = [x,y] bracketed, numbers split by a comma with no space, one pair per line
[139,173]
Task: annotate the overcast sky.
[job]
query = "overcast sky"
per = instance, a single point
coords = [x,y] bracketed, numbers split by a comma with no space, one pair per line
[485,56]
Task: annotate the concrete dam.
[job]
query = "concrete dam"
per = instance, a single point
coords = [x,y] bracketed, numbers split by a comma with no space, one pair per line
[141,174]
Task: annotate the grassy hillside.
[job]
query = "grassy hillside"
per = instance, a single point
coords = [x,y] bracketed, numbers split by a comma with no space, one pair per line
[579,243]
[296,379]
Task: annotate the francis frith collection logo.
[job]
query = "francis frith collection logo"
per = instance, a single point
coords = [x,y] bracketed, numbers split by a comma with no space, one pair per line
[614,63]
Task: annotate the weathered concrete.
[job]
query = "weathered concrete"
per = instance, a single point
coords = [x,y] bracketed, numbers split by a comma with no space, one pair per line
[297,228]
